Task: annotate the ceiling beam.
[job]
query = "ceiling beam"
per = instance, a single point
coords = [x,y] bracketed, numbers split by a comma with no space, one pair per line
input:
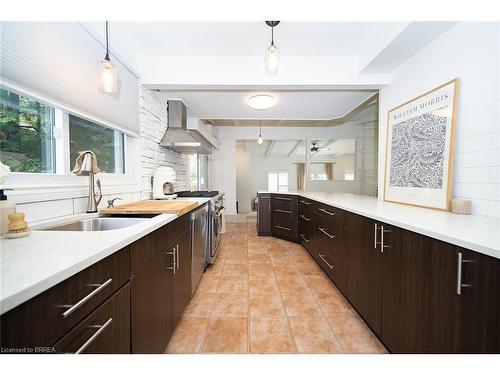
[270,149]
[295,148]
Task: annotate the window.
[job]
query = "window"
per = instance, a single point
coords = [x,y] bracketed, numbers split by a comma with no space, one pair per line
[106,143]
[26,134]
[349,175]
[198,172]
[31,138]
[277,181]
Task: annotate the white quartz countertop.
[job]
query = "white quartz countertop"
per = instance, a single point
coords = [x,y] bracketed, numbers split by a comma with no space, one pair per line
[33,264]
[478,233]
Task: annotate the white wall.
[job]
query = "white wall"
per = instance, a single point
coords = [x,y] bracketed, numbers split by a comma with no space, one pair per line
[243,180]
[471,52]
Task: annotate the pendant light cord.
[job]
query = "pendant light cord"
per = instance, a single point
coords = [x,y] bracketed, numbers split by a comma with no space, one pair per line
[107,42]
[272,35]
[260,128]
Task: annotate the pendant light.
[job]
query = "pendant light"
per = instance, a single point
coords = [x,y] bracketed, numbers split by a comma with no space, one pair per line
[259,141]
[272,59]
[109,76]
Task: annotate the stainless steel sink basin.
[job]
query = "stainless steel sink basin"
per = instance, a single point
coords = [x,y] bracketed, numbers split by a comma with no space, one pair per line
[98,224]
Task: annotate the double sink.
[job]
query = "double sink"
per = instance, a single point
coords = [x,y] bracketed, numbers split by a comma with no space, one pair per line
[97,224]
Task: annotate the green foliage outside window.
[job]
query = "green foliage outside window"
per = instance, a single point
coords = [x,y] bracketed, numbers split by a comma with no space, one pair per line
[26,139]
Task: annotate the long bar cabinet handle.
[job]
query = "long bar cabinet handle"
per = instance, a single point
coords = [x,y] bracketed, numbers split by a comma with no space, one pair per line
[94,336]
[86,298]
[284,228]
[324,260]
[304,217]
[283,211]
[326,211]
[325,232]
[283,198]
[460,261]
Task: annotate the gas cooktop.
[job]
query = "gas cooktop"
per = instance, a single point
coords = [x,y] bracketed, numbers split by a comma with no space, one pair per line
[197,194]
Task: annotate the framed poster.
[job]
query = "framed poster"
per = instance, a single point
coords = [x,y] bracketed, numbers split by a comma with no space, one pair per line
[419,149]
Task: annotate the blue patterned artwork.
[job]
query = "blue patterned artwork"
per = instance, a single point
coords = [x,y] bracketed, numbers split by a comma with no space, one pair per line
[419,144]
[417,152]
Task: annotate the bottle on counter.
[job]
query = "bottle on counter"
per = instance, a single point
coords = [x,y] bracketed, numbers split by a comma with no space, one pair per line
[6,208]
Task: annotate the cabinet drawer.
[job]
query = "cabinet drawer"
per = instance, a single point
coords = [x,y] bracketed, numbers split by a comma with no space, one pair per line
[105,331]
[333,266]
[145,249]
[326,211]
[42,320]
[284,202]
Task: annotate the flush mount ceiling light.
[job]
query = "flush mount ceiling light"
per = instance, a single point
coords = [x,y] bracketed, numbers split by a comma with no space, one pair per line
[262,101]
[272,58]
[109,76]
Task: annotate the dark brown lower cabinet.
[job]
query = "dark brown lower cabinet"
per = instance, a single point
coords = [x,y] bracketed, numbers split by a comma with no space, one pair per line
[364,276]
[104,331]
[478,295]
[181,284]
[264,215]
[152,305]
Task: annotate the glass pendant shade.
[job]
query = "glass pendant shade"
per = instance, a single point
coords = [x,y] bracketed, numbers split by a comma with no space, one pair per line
[259,141]
[272,60]
[109,77]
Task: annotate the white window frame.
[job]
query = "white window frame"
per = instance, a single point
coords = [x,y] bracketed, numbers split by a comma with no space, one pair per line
[281,188]
[34,187]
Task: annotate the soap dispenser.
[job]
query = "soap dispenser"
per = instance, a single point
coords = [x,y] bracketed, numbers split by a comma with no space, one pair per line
[6,208]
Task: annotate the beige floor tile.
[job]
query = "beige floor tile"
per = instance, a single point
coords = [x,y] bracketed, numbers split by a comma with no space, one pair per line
[188,336]
[320,283]
[266,305]
[230,305]
[270,335]
[260,269]
[313,335]
[309,269]
[233,284]
[235,269]
[239,257]
[258,258]
[348,323]
[275,250]
[331,304]
[226,335]
[263,284]
[362,345]
[216,269]
[301,305]
[282,258]
[200,305]
[291,283]
[257,249]
[286,268]
[208,284]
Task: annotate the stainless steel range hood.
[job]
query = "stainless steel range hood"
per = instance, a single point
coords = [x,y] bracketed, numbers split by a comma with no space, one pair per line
[179,137]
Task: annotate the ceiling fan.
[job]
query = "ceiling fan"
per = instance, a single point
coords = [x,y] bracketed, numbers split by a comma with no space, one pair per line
[316,148]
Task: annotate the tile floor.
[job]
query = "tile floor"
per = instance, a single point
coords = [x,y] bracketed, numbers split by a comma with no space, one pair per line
[266,295]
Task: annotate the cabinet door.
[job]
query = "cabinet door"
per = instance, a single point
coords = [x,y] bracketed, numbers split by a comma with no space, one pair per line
[478,303]
[364,284]
[264,215]
[152,305]
[182,276]
[104,331]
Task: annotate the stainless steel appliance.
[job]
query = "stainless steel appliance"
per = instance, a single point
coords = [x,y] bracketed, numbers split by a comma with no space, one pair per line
[199,244]
[215,207]
[164,183]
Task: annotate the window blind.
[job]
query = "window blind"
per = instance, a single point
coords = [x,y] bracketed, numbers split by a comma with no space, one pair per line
[60,61]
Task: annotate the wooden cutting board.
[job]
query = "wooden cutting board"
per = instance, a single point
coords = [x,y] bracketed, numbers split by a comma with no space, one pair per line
[152,207]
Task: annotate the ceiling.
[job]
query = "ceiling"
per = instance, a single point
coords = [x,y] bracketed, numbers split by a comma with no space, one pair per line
[296,148]
[218,106]
[134,39]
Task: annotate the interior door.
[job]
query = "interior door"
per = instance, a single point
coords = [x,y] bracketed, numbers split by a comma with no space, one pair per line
[151,299]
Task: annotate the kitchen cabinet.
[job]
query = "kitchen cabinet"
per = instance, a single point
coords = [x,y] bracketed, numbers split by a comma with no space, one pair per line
[417,294]
[181,285]
[160,293]
[152,301]
[44,319]
[104,331]
[264,214]
[478,307]
[364,283]
[284,216]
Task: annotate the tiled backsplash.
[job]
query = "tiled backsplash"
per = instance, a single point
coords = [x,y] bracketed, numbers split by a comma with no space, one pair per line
[154,121]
